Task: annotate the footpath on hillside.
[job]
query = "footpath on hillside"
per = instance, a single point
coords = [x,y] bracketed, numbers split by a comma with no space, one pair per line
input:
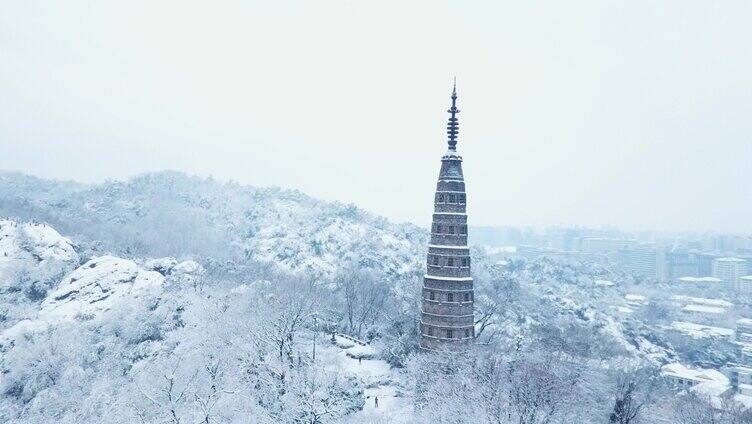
[357,359]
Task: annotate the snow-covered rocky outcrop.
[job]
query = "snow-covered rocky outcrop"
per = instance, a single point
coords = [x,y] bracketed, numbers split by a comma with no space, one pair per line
[32,243]
[90,291]
[97,285]
[34,257]
[171,266]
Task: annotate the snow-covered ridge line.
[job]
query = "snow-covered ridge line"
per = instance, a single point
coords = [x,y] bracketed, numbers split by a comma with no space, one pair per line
[225,221]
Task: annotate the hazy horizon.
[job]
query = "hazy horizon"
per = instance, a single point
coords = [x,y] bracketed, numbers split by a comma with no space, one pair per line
[590,114]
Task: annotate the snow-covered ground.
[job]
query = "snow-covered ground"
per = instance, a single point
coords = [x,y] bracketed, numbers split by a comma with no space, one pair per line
[379,379]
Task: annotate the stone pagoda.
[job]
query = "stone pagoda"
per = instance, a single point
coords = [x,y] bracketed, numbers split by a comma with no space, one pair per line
[447,314]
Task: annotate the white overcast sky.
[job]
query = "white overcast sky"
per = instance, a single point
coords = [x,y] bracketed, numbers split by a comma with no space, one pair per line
[629,113]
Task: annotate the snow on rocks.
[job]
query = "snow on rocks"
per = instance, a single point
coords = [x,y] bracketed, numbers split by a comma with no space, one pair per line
[188,267]
[354,348]
[46,243]
[95,286]
[161,265]
[186,273]
[171,266]
[89,291]
[32,243]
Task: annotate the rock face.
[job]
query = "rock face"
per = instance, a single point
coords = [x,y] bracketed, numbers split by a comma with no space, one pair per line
[98,284]
[89,291]
[32,243]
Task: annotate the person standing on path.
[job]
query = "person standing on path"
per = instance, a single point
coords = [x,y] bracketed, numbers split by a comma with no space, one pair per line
[376,401]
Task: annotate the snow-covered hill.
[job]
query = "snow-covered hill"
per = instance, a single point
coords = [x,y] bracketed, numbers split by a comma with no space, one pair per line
[171,214]
[168,282]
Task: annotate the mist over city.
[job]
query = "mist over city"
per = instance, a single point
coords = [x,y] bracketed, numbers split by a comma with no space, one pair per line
[375,212]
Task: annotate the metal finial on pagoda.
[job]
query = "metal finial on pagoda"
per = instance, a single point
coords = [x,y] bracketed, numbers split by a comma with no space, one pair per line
[453,126]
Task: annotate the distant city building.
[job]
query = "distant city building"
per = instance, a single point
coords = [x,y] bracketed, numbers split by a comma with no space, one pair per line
[643,260]
[604,245]
[700,310]
[635,300]
[686,378]
[680,263]
[705,264]
[741,379]
[744,331]
[695,245]
[729,270]
[731,243]
[701,283]
[447,307]
[741,372]
[702,331]
[748,259]
[744,285]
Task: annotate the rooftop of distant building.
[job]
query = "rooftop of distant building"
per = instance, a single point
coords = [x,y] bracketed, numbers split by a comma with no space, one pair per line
[703,301]
[700,280]
[704,309]
[700,375]
[744,321]
[699,331]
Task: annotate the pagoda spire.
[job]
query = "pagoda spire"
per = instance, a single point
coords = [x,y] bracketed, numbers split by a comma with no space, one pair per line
[453,126]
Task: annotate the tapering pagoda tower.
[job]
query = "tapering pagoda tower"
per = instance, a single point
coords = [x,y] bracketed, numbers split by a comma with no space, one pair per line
[447,315]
